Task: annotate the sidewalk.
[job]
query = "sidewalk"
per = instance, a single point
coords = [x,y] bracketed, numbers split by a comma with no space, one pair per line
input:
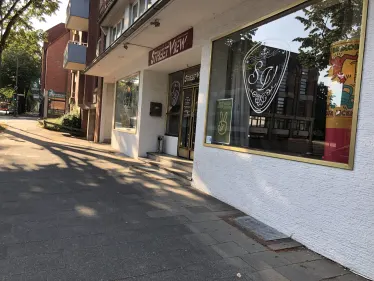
[71,211]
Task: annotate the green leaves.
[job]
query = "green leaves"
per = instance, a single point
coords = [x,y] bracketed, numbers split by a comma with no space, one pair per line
[27,52]
[16,16]
[327,22]
[19,40]
[7,92]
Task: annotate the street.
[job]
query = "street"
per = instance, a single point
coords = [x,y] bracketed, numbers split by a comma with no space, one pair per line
[73,210]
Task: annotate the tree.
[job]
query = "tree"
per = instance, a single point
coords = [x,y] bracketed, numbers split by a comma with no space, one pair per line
[327,24]
[16,16]
[28,69]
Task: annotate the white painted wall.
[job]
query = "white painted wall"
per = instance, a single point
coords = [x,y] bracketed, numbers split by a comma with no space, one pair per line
[171,145]
[329,210]
[155,89]
[107,109]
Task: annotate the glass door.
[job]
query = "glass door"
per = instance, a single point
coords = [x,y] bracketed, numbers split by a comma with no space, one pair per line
[188,123]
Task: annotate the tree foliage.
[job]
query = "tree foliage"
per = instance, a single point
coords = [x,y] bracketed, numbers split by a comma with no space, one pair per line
[327,24]
[28,68]
[16,15]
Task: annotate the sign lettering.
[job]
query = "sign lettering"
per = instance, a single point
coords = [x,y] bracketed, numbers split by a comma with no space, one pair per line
[172,47]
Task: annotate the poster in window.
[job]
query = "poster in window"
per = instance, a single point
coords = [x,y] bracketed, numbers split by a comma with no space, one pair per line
[223,121]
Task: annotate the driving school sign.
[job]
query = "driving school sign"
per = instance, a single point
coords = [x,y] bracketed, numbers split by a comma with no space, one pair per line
[172,47]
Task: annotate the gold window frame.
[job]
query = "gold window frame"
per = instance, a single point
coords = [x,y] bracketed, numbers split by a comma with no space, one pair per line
[352,146]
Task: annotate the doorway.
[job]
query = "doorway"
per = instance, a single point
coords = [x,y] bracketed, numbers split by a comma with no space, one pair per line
[187,128]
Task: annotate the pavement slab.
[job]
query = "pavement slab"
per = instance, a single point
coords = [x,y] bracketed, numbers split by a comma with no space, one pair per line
[74,210]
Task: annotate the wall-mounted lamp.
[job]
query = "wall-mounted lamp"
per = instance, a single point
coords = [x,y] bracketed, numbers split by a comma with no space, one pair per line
[156,23]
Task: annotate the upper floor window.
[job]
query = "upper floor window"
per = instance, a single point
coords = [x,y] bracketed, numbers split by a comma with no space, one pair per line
[116,30]
[139,7]
[134,11]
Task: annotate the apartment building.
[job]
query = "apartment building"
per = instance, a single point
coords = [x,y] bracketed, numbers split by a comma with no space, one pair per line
[54,78]
[80,51]
[274,115]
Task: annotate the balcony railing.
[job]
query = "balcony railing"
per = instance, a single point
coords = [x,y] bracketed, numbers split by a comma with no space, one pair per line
[75,56]
[77,15]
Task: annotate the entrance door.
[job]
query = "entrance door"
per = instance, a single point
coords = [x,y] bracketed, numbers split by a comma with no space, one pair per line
[187,126]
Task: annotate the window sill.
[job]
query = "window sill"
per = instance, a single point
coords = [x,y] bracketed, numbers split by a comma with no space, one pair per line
[282,156]
[131,131]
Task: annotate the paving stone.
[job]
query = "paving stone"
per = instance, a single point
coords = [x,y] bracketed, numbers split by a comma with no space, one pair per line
[201,217]
[348,277]
[268,275]
[229,249]
[299,256]
[265,260]
[198,209]
[202,238]
[313,270]
[161,214]
[209,226]
[233,234]
[284,245]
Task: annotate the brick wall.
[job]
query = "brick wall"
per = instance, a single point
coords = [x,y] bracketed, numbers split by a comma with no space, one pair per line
[56,77]
[52,34]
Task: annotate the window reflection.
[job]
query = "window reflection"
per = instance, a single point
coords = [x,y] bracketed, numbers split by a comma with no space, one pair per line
[292,81]
[127,93]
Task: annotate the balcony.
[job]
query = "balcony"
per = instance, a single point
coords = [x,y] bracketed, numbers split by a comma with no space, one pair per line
[77,15]
[75,56]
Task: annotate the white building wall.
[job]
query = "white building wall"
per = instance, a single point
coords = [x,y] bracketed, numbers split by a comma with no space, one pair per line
[107,110]
[329,210]
[155,88]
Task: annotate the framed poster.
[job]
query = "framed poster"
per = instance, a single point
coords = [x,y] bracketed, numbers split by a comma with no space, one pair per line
[223,121]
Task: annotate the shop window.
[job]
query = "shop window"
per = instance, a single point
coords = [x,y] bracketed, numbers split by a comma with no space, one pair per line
[127,94]
[287,87]
[174,103]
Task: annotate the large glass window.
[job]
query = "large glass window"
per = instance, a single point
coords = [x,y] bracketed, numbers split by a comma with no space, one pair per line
[174,103]
[127,93]
[288,85]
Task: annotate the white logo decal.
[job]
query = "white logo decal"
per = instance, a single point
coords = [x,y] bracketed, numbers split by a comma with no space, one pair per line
[175,90]
[222,125]
[263,71]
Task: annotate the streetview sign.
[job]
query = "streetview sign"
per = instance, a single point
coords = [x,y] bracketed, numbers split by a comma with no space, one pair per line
[174,46]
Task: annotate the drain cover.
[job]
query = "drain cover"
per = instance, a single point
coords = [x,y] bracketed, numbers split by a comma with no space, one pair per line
[259,229]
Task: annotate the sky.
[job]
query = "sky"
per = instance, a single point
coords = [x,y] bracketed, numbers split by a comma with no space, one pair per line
[51,21]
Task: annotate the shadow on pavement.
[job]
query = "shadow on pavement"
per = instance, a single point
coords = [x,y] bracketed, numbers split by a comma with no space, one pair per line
[74,213]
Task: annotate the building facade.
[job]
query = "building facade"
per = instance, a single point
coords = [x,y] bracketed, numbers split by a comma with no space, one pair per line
[80,51]
[270,100]
[54,78]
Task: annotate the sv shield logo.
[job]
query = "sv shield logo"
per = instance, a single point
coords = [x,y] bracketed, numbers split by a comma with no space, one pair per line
[263,71]
[175,91]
